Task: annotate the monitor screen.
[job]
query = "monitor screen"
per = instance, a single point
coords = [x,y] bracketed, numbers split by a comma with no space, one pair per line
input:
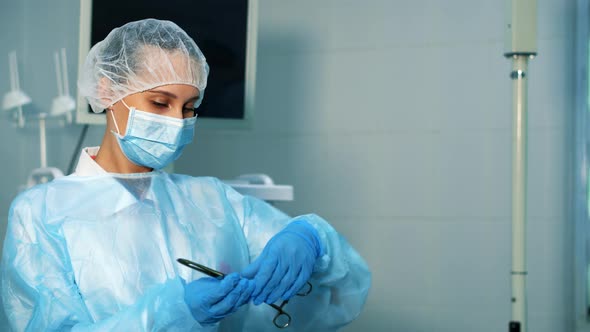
[222,29]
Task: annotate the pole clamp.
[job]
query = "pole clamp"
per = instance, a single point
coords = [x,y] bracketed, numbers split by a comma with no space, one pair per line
[517,74]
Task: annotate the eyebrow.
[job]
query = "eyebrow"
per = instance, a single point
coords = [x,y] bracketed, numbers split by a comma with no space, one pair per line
[171,95]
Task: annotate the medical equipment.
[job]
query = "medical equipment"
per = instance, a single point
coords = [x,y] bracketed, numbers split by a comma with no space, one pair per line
[521,45]
[261,186]
[581,190]
[63,104]
[230,102]
[154,140]
[282,318]
[16,98]
[43,174]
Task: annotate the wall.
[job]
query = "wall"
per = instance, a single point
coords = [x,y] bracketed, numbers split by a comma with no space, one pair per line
[36,29]
[392,119]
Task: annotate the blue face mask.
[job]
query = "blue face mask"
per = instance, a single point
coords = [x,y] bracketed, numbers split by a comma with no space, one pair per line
[153,140]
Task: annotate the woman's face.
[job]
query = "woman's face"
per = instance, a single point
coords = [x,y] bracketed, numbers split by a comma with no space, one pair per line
[174,100]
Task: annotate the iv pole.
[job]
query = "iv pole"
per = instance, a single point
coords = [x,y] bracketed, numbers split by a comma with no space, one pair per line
[520,47]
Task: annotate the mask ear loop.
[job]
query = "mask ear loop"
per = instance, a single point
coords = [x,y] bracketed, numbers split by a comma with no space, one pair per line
[115,122]
[123,101]
[113,116]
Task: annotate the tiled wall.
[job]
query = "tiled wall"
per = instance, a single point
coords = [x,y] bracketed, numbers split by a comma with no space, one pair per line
[36,29]
[392,119]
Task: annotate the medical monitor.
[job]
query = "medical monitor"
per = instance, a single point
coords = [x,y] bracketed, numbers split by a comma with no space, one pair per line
[225,31]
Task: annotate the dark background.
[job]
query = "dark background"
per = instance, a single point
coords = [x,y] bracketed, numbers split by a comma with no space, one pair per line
[219,27]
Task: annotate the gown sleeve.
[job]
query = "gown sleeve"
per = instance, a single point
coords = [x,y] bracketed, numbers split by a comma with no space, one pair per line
[341,278]
[39,292]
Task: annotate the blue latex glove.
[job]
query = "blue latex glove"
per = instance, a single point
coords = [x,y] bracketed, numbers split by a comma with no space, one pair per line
[285,264]
[210,299]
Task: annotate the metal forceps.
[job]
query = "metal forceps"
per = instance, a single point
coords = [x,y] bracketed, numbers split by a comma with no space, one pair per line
[282,318]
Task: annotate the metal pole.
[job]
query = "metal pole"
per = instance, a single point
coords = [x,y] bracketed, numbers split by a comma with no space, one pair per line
[519,174]
[580,194]
[43,140]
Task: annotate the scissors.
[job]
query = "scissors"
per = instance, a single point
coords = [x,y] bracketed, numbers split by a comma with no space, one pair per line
[282,318]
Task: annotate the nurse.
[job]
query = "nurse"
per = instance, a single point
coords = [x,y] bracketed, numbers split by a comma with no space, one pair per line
[97,250]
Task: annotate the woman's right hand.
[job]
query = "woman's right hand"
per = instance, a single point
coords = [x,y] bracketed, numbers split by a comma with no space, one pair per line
[210,299]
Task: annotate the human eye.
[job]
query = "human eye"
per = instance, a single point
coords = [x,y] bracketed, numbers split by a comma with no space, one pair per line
[190,109]
[159,104]
[189,112]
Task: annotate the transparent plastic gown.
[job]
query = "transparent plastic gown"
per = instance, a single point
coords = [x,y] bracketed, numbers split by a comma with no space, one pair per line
[98,253]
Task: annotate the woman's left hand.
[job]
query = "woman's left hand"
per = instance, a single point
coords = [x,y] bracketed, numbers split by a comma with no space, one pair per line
[285,264]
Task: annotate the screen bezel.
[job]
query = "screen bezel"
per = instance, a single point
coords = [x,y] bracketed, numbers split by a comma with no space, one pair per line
[85,117]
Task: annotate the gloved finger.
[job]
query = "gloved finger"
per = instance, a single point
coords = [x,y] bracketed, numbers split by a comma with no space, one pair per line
[250,271]
[302,278]
[264,274]
[199,291]
[227,284]
[274,281]
[226,305]
[285,283]
[249,287]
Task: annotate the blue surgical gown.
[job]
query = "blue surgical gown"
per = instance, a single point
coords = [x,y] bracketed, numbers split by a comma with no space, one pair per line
[98,253]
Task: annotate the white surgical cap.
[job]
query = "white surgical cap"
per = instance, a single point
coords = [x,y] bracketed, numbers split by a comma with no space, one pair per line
[140,56]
